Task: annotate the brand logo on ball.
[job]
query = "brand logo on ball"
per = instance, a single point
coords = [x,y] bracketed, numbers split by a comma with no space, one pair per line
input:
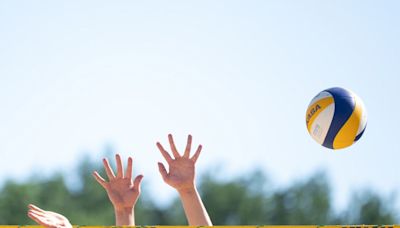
[312,112]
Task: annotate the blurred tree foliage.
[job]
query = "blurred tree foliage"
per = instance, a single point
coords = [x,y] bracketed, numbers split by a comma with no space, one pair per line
[247,200]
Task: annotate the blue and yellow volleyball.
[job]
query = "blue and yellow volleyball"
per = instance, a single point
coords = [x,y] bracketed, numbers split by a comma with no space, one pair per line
[336,118]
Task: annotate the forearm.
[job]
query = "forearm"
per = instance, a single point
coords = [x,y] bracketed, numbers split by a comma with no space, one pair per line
[194,208]
[124,217]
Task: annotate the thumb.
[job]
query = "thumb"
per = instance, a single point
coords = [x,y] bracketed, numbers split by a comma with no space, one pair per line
[163,171]
[137,182]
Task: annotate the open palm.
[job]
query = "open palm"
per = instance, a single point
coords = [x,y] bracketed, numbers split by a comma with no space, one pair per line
[122,191]
[48,219]
[181,168]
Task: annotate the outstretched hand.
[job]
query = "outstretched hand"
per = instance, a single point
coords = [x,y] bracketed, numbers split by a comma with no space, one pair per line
[181,176]
[48,219]
[181,173]
[122,191]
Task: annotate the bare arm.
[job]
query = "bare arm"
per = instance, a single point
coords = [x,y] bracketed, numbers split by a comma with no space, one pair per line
[181,176]
[195,211]
[121,190]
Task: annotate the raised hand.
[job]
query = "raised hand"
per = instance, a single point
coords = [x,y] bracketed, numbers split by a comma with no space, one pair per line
[122,191]
[181,174]
[48,219]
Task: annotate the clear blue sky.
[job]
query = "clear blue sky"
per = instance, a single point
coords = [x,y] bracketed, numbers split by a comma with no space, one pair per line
[238,75]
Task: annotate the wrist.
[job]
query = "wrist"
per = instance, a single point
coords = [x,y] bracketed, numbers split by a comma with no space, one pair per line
[123,210]
[187,190]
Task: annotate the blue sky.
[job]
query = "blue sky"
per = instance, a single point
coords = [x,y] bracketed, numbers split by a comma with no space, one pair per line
[77,76]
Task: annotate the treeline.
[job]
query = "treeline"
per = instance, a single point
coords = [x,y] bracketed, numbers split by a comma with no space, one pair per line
[246,200]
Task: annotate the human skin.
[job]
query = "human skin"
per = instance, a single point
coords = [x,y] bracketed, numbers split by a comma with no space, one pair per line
[181,176]
[122,191]
[48,219]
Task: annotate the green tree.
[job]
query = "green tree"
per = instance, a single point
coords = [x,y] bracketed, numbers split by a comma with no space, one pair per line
[367,207]
[240,201]
[307,202]
[247,200]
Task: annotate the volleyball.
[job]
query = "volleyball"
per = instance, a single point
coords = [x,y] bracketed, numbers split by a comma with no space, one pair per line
[336,118]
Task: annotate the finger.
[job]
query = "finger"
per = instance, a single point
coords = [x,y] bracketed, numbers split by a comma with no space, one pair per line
[128,173]
[99,179]
[164,153]
[108,169]
[173,147]
[137,181]
[37,218]
[39,213]
[120,168]
[41,221]
[34,218]
[33,207]
[188,147]
[163,171]
[197,154]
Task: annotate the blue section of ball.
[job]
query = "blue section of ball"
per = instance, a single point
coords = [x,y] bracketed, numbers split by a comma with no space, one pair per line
[344,106]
